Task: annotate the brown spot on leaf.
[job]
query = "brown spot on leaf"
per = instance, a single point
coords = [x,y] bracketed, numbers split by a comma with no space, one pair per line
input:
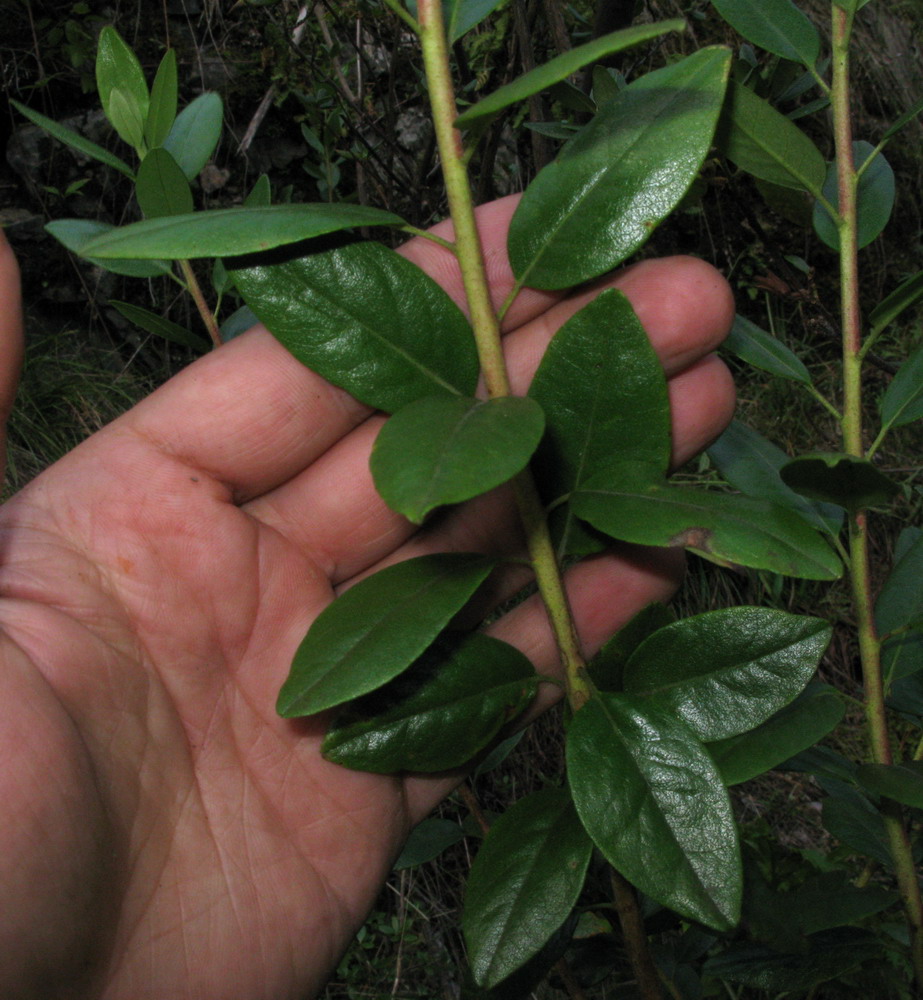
[693,538]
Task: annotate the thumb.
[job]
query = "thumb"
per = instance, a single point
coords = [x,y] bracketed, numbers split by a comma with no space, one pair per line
[11,337]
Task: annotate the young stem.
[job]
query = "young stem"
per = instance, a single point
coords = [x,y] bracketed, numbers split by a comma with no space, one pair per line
[486,326]
[195,290]
[869,642]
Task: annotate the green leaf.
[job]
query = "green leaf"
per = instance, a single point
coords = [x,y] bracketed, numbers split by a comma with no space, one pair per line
[774,25]
[829,955]
[875,199]
[562,66]
[900,604]
[460,16]
[230,232]
[654,804]
[162,113]
[750,463]
[764,143]
[607,666]
[829,900]
[160,327]
[76,233]
[378,628]
[369,321]
[260,195]
[727,671]
[764,351]
[835,477]
[446,449]
[438,714]
[524,883]
[195,134]
[902,402]
[75,140]
[118,70]
[628,505]
[127,118]
[851,818]
[428,840]
[905,119]
[806,721]
[907,294]
[604,393]
[901,782]
[162,189]
[599,201]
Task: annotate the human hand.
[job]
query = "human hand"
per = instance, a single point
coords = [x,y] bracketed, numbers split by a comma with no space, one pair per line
[164,833]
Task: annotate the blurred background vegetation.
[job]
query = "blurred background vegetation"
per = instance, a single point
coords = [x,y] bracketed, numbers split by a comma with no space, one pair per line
[323,98]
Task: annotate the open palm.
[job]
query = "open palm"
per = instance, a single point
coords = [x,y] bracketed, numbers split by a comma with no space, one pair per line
[164,834]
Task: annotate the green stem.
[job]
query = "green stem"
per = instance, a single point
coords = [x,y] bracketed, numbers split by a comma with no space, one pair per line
[869,642]
[486,326]
[195,290]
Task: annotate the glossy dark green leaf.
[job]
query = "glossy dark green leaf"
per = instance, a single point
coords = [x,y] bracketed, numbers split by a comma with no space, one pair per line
[908,293]
[228,232]
[631,505]
[74,140]
[875,199]
[438,714]
[378,628]
[764,351]
[751,463]
[562,66]
[835,477]
[902,403]
[162,112]
[76,233]
[159,326]
[118,70]
[727,671]
[899,605]
[808,719]
[427,841]
[162,189]
[608,665]
[604,394]
[195,133]
[828,956]
[524,883]
[446,449]
[369,321]
[654,804]
[777,26]
[852,819]
[599,201]
[766,144]
[260,195]
[901,782]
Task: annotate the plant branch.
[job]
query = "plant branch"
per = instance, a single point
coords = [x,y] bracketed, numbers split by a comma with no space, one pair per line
[195,290]
[869,642]
[635,939]
[486,326]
